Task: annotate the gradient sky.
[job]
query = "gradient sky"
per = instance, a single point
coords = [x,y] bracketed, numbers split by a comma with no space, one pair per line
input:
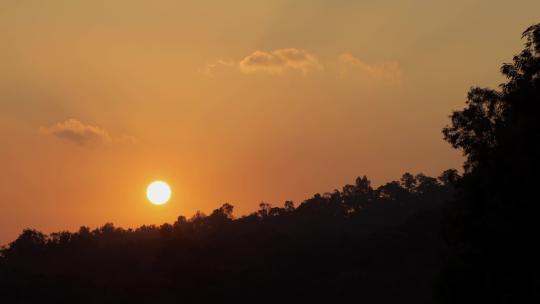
[237,101]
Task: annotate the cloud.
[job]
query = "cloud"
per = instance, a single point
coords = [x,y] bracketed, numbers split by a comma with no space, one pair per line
[351,66]
[74,131]
[210,68]
[279,61]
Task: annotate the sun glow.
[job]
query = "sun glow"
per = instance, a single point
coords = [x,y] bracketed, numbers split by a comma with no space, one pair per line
[158,192]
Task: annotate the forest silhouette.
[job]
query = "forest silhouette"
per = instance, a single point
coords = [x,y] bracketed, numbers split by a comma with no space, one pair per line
[466,238]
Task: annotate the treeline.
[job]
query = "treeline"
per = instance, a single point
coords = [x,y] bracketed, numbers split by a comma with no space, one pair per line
[492,227]
[382,243]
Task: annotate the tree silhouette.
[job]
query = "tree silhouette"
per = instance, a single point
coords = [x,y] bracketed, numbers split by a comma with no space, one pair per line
[329,247]
[492,224]
[408,181]
[449,177]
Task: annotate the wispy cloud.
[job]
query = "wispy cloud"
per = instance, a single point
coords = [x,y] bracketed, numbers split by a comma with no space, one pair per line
[73,130]
[279,61]
[210,68]
[350,66]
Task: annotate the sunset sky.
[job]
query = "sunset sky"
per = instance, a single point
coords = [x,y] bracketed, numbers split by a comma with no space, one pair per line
[237,101]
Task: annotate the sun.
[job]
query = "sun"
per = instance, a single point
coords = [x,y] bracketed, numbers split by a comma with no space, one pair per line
[158,192]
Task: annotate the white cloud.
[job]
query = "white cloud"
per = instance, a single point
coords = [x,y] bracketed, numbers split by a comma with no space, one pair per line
[210,68]
[279,61]
[74,131]
[352,66]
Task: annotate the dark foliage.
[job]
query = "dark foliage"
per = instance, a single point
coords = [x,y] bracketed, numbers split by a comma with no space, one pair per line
[492,226]
[379,245]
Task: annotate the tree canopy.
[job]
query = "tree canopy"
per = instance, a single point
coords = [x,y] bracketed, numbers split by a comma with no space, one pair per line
[493,223]
[331,246]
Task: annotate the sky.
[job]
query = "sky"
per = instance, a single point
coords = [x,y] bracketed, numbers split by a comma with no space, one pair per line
[230,101]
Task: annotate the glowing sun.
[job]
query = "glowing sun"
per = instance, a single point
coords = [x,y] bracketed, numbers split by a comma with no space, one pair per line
[158,192]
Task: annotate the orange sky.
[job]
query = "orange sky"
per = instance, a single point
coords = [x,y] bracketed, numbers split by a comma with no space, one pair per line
[229,101]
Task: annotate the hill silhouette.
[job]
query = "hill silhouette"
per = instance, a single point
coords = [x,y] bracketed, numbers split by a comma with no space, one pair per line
[383,243]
